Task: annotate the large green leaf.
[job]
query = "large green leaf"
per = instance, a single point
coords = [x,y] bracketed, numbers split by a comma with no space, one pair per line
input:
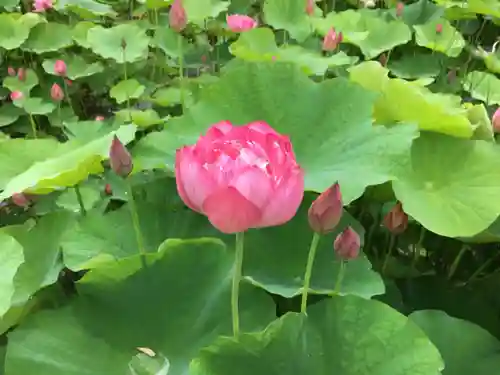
[466,348]
[483,86]
[289,15]
[404,101]
[450,41]
[177,305]
[342,336]
[69,164]
[199,10]
[122,43]
[47,37]
[11,257]
[15,31]
[9,114]
[274,260]
[329,123]
[366,29]
[451,185]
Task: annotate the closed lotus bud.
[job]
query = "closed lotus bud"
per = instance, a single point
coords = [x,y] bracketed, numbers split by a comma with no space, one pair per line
[399,9]
[99,118]
[331,40]
[239,23]
[56,92]
[439,28]
[326,211]
[240,177]
[177,16]
[347,244]
[21,74]
[310,4]
[60,68]
[495,121]
[21,200]
[68,82]
[119,158]
[107,189]
[11,71]
[396,219]
[16,95]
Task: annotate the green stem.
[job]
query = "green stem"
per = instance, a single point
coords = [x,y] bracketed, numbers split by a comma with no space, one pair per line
[136,224]
[392,239]
[481,268]
[33,126]
[235,292]
[181,71]
[66,94]
[455,263]
[307,275]
[80,200]
[340,277]
[416,251]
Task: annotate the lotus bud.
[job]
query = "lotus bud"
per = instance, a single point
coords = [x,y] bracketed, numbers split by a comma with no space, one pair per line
[326,211]
[119,158]
[11,71]
[60,68]
[396,219]
[310,4]
[21,200]
[21,74]
[56,93]
[347,244]
[439,28]
[177,16]
[16,95]
[399,9]
[495,121]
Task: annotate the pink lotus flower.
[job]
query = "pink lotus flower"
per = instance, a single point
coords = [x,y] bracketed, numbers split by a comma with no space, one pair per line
[11,71]
[240,177]
[42,5]
[331,40]
[326,211]
[119,158]
[239,23]
[56,92]
[495,121]
[347,244]
[60,68]
[399,8]
[177,16]
[21,200]
[16,95]
[99,118]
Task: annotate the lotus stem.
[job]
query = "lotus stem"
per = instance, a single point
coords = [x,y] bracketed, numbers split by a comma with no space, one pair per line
[235,292]
[308,274]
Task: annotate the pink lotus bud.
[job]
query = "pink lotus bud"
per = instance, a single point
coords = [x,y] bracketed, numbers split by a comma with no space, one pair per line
[347,244]
[21,74]
[383,59]
[119,158]
[56,92]
[325,212]
[107,189]
[399,9]
[11,71]
[439,28]
[396,219]
[60,68]
[21,200]
[42,5]
[99,118]
[239,23]
[331,40]
[240,177]
[495,121]
[177,16]
[16,95]
[310,5]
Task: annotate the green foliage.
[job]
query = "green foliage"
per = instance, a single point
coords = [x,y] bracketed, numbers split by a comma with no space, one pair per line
[101,274]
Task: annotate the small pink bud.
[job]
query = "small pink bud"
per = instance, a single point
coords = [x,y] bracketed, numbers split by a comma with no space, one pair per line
[310,4]
[439,28]
[99,118]
[16,95]
[119,158]
[396,219]
[239,23]
[383,59]
[325,212]
[56,92]
[399,9]
[11,71]
[107,189]
[347,244]
[60,68]
[21,74]
[42,5]
[68,81]
[21,200]
[177,16]
[495,121]
[331,40]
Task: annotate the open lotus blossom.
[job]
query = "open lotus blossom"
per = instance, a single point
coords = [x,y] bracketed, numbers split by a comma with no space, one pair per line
[239,23]
[177,16]
[240,177]
[16,95]
[495,121]
[56,92]
[331,40]
[60,68]
[42,5]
